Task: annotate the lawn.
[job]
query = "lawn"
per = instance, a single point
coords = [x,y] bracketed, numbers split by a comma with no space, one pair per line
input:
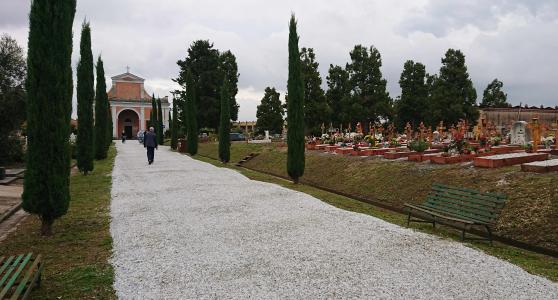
[530,214]
[76,257]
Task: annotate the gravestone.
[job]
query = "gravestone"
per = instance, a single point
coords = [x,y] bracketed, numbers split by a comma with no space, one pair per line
[520,133]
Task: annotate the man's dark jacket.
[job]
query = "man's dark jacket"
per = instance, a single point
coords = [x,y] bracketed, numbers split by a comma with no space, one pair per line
[150,140]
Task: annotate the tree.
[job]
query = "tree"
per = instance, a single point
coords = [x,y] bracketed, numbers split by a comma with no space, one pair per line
[295,108]
[370,100]
[493,96]
[270,112]
[338,92]
[316,109]
[225,124]
[101,113]
[452,95]
[85,95]
[160,134]
[174,127]
[412,107]
[49,86]
[170,123]
[12,98]
[229,68]
[191,115]
[153,115]
[209,68]
[110,128]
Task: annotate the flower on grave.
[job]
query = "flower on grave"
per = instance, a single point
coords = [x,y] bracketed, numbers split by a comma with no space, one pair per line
[495,140]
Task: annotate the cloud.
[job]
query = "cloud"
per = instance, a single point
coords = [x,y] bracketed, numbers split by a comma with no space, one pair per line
[511,40]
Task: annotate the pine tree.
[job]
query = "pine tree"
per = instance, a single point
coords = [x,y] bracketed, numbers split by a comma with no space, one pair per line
[452,95]
[493,96]
[85,96]
[316,109]
[339,91]
[270,112]
[101,115]
[174,126]
[225,124]
[191,115]
[49,88]
[160,134]
[412,107]
[295,108]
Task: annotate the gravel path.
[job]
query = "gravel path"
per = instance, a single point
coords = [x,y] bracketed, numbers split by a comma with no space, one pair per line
[184,229]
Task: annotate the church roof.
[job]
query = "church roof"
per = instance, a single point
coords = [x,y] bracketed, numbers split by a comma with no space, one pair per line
[127,77]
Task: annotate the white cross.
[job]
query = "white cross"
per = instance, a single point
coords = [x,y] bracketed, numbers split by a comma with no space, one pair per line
[127,69]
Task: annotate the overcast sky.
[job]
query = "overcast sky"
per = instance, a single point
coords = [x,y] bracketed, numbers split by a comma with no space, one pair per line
[515,41]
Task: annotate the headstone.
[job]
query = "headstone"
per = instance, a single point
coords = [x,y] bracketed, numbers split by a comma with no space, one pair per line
[267,134]
[520,133]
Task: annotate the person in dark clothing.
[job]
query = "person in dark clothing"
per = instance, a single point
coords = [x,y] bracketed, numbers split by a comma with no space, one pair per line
[150,142]
[123,136]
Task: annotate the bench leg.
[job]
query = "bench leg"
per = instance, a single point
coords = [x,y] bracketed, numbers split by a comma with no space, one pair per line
[463,235]
[489,235]
[408,218]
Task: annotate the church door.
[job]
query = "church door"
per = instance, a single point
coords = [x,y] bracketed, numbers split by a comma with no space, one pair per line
[128,128]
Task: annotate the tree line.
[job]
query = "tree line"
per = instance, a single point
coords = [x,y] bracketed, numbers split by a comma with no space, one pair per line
[357,93]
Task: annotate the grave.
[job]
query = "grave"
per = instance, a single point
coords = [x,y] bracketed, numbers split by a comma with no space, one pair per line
[505,149]
[544,166]
[331,148]
[509,159]
[454,159]
[520,134]
[343,150]
[321,147]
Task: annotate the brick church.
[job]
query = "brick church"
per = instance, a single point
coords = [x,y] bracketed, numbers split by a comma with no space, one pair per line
[131,105]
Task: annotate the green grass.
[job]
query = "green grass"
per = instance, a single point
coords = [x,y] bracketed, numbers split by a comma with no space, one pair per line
[272,160]
[76,256]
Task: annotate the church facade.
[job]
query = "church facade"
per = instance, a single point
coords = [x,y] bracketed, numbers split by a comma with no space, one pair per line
[131,105]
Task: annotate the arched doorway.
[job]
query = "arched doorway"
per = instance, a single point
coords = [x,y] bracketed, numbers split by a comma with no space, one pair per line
[128,122]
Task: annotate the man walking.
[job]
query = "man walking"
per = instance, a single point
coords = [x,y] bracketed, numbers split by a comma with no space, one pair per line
[150,142]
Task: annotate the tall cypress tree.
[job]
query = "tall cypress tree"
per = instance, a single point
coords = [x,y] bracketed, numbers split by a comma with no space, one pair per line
[174,126]
[153,116]
[225,123]
[110,127]
[49,88]
[295,108]
[191,115]
[101,115]
[160,135]
[85,96]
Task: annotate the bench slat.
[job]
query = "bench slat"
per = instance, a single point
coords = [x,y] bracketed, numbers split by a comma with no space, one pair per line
[10,269]
[468,190]
[6,264]
[473,207]
[15,276]
[468,198]
[462,207]
[36,268]
[429,211]
[487,197]
[443,210]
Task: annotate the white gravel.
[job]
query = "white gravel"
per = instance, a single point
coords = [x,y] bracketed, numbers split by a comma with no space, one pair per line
[184,229]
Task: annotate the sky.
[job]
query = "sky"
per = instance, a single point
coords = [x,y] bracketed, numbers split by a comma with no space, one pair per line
[515,41]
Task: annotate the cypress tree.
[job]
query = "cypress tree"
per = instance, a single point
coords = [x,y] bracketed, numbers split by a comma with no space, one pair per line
[191,115]
[110,127]
[85,96]
[295,108]
[174,126]
[160,134]
[49,88]
[225,124]
[153,116]
[101,115]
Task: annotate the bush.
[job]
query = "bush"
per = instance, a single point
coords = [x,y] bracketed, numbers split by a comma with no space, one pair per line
[418,145]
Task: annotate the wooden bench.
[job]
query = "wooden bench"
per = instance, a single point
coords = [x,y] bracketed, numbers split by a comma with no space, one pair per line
[458,207]
[19,275]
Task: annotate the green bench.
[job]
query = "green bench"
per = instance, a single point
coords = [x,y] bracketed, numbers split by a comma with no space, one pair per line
[460,208]
[19,275]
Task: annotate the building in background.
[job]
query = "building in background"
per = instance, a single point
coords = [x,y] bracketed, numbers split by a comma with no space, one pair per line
[503,118]
[131,106]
